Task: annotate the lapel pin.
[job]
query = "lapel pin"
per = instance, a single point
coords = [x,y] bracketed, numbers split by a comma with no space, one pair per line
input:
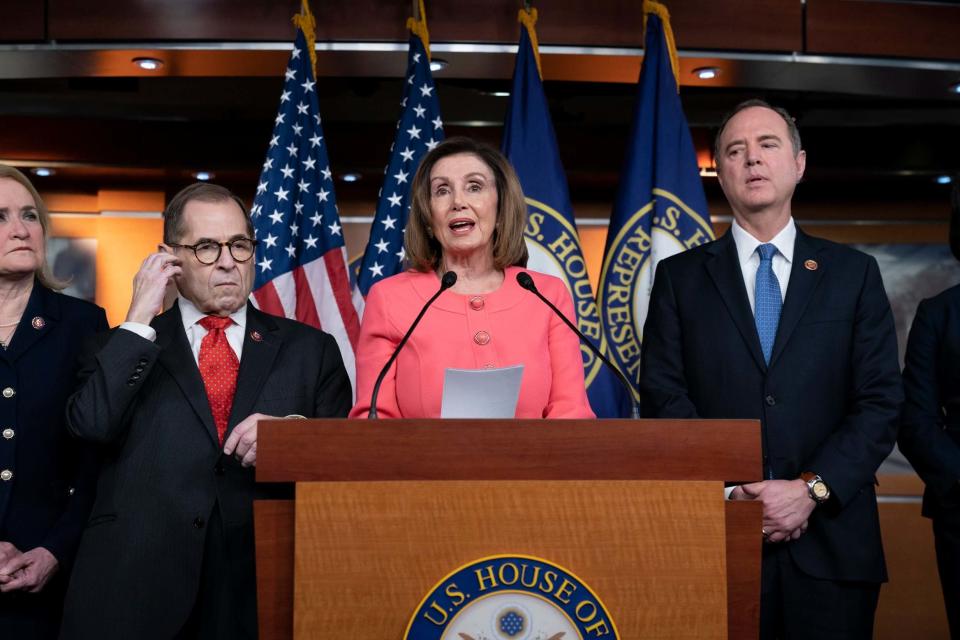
[255,336]
[811,265]
[38,323]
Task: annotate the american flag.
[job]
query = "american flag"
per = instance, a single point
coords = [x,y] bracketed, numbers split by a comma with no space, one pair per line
[301,269]
[419,130]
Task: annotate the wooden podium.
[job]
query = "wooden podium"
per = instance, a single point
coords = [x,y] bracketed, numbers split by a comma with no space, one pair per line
[385,509]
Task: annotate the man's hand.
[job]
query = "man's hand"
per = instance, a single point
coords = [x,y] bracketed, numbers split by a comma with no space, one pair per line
[29,571]
[786,507]
[242,441]
[150,284]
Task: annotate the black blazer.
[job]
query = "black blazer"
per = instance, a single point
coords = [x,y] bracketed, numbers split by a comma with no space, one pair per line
[138,567]
[828,402]
[46,500]
[930,431]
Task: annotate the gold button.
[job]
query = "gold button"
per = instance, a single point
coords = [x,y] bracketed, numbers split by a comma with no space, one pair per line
[8,434]
[481,338]
[8,392]
[476,303]
[6,475]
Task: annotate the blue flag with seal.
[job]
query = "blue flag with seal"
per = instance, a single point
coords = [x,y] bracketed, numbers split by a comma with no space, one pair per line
[551,232]
[660,208]
[419,130]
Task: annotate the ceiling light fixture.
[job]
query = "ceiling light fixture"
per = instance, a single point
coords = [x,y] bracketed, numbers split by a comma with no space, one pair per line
[500,94]
[148,64]
[706,73]
[43,172]
[438,64]
[350,177]
[203,176]
[955,88]
[944,179]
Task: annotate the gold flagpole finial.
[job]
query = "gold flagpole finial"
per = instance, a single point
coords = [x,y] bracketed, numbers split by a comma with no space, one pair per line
[418,24]
[650,6]
[306,23]
[528,18]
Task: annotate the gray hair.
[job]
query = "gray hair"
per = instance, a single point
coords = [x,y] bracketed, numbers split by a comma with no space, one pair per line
[792,129]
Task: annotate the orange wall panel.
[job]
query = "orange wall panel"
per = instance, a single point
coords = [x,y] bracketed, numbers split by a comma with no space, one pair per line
[122,244]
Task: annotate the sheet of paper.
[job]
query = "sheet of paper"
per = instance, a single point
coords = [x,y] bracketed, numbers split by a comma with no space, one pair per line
[481,393]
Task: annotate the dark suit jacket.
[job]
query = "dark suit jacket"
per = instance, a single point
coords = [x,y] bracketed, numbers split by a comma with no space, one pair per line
[139,563]
[930,431]
[46,502]
[828,402]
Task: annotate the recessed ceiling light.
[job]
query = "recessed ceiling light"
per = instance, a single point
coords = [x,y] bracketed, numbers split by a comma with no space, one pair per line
[706,73]
[944,179]
[43,172]
[203,176]
[500,94]
[438,64]
[955,88]
[148,64]
[350,177]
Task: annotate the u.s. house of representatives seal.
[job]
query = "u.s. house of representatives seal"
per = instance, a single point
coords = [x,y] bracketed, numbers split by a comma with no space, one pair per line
[554,248]
[511,597]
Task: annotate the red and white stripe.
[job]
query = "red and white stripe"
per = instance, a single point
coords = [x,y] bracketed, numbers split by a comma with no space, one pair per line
[319,294]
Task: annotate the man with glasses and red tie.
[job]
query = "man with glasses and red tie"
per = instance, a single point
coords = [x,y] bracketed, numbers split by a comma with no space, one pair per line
[175,398]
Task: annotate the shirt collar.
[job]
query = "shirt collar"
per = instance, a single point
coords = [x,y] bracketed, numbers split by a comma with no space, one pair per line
[191,315]
[747,244]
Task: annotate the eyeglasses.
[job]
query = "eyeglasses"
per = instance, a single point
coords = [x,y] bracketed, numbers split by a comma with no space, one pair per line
[208,251]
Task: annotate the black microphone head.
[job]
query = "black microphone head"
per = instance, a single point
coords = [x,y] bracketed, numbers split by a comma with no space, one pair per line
[525,281]
[448,280]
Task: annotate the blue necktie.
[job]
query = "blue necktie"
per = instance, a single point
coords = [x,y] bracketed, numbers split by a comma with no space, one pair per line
[767,300]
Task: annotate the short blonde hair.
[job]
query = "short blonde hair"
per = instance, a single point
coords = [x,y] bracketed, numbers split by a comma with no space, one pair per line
[44,274]
[509,249]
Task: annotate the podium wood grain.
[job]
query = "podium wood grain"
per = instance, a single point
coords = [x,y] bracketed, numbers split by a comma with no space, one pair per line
[407,450]
[367,553]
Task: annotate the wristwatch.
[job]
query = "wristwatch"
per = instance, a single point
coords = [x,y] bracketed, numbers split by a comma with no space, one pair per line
[816,487]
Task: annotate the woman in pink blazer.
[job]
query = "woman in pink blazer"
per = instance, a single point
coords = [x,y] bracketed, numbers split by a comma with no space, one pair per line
[467,215]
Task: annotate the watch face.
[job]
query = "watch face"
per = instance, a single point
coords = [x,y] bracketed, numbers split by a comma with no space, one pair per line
[820,491]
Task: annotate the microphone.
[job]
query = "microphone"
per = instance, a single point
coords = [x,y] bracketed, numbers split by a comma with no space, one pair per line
[448,280]
[525,281]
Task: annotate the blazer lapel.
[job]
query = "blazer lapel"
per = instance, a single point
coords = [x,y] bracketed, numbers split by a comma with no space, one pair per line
[177,358]
[724,269]
[260,346]
[40,316]
[803,281]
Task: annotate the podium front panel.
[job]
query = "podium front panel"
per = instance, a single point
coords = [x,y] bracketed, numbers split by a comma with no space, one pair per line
[652,552]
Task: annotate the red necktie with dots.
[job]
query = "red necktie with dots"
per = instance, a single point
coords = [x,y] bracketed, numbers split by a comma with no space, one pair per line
[218,368]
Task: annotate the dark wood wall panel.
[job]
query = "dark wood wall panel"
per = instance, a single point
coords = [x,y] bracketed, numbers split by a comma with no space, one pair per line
[125,21]
[773,25]
[883,28]
[22,21]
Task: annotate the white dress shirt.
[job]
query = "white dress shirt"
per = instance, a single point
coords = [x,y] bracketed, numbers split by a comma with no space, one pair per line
[191,317]
[750,262]
[750,259]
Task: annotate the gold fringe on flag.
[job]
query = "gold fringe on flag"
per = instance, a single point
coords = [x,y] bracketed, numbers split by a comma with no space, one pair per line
[528,18]
[306,23]
[419,28]
[649,6]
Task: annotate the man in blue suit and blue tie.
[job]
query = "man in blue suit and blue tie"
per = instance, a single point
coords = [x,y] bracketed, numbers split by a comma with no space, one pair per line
[772,324]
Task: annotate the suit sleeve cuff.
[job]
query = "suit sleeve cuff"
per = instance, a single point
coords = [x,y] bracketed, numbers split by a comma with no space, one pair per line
[145,331]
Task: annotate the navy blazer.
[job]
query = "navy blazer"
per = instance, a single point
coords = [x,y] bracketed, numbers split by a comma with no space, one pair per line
[828,402]
[930,431]
[46,500]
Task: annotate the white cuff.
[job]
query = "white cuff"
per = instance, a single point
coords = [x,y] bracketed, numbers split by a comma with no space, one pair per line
[727,491]
[143,330]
